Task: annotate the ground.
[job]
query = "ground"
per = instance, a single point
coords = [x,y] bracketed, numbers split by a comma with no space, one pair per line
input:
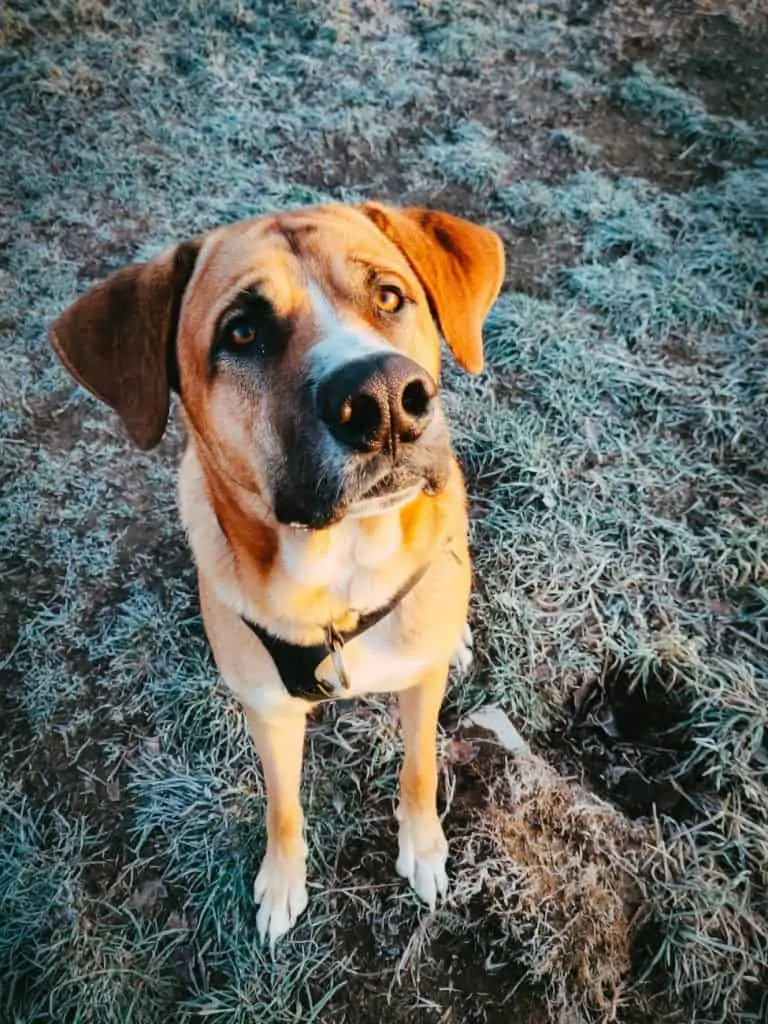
[615,451]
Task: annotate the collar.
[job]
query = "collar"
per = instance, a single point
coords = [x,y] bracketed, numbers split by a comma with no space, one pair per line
[296,663]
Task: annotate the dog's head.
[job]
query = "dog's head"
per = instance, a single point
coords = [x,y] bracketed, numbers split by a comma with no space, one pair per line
[304,348]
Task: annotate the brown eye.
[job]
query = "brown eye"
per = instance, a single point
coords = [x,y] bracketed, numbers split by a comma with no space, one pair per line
[241,333]
[389,299]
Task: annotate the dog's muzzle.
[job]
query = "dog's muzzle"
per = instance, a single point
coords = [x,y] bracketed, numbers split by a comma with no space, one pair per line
[369,439]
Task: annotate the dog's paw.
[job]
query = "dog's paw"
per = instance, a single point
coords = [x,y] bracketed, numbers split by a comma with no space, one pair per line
[422,857]
[461,659]
[281,890]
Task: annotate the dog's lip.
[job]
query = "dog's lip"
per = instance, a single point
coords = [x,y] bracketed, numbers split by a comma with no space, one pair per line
[389,492]
[379,503]
[375,505]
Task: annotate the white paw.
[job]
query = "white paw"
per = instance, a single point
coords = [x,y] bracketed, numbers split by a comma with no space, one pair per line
[281,889]
[423,852]
[461,659]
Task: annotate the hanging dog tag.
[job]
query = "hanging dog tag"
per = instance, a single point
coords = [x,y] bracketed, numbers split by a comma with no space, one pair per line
[336,644]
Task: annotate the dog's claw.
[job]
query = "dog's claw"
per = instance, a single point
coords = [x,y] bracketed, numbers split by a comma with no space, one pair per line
[422,857]
[461,659]
[281,890]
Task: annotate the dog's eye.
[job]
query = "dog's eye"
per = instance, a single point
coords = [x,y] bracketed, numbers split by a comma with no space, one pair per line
[241,333]
[389,299]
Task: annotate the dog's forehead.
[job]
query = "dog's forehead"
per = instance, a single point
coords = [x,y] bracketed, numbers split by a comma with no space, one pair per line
[284,253]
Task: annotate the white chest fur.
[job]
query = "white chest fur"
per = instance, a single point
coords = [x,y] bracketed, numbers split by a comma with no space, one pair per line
[347,563]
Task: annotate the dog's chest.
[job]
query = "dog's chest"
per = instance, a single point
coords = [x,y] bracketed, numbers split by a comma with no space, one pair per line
[353,568]
[348,562]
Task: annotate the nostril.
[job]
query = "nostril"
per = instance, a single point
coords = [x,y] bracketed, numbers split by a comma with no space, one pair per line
[357,421]
[415,399]
[360,417]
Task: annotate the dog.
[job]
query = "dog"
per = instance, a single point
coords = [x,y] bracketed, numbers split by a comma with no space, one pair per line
[324,506]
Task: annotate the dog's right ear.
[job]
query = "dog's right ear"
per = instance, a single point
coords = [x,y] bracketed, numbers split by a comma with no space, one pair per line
[118,340]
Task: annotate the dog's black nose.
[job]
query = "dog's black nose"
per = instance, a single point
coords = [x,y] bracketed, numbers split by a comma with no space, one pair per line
[376,402]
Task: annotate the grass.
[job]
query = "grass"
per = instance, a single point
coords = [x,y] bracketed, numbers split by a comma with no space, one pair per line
[685,117]
[570,867]
[616,460]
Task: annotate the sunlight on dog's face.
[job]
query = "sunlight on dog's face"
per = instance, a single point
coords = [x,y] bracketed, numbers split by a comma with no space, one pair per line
[304,347]
[309,363]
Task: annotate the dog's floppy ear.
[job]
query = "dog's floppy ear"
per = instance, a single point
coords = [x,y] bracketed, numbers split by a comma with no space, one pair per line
[118,340]
[460,266]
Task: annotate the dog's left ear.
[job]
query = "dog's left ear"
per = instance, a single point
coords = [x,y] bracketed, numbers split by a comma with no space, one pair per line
[460,266]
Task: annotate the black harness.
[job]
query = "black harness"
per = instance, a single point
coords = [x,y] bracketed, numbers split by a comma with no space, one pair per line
[296,663]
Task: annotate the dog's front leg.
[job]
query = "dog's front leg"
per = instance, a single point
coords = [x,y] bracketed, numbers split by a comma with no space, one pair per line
[423,849]
[280,885]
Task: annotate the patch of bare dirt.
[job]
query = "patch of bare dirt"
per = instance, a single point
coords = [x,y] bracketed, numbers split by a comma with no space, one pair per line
[726,63]
[716,48]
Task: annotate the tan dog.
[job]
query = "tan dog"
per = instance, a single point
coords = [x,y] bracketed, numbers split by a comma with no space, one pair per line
[324,506]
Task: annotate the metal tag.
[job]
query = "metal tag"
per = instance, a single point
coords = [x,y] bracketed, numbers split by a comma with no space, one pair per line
[336,644]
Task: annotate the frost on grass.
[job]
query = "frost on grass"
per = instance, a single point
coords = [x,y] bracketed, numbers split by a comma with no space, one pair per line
[62,944]
[674,277]
[684,116]
[573,142]
[616,458]
[469,155]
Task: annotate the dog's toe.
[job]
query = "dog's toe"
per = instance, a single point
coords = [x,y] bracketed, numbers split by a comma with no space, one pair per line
[427,877]
[422,857]
[281,890]
[461,659]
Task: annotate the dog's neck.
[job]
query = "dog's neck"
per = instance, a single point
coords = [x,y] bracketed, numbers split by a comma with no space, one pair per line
[310,576]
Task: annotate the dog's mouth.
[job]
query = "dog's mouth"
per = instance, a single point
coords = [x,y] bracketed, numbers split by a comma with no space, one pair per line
[360,488]
[391,491]
[383,498]
[385,495]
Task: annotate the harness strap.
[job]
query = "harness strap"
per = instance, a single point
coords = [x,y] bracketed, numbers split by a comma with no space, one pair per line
[296,663]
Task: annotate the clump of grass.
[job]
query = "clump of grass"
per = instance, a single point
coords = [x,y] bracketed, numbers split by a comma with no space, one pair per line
[704,913]
[685,117]
[41,861]
[459,41]
[65,953]
[572,83]
[468,155]
[562,875]
[740,198]
[573,142]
